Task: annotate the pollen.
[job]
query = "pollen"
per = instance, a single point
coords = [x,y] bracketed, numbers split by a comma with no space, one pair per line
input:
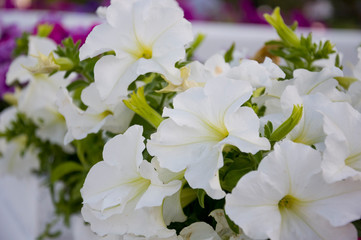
[287,202]
[147,54]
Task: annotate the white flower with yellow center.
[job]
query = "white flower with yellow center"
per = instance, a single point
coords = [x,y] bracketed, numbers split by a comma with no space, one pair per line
[202,122]
[123,194]
[287,198]
[146,36]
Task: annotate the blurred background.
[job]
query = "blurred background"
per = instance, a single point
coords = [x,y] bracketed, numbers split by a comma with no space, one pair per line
[308,13]
[222,21]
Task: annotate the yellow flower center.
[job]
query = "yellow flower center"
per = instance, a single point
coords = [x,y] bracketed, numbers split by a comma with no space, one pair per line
[147,53]
[287,202]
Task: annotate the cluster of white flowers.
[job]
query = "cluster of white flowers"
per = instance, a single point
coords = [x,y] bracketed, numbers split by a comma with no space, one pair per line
[307,186]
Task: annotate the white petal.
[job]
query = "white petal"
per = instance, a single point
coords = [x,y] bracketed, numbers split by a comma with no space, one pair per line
[306,225]
[342,157]
[157,191]
[252,72]
[292,165]
[199,230]
[17,72]
[144,221]
[125,150]
[41,45]
[243,128]
[253,205]
[172,209]
[79,123]
[113,74]
[101,39]
[177,147]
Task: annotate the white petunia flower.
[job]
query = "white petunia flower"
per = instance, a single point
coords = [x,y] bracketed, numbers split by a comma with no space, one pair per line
[342,157]
[123,194]
[38,97]
[113,117]
[146,36]
[287,198]
[202,122]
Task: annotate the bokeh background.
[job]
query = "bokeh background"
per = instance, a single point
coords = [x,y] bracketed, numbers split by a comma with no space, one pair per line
[321,13]
[223,21]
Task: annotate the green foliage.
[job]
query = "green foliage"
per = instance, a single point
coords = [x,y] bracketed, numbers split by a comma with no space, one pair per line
[22,43]
[194,45]
[228,56]
[236,165]
[64,169]
[297,52]
[70,50]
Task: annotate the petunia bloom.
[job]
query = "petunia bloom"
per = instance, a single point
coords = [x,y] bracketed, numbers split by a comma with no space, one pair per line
[287,198]
[202,122]
[145,35]
[123,194]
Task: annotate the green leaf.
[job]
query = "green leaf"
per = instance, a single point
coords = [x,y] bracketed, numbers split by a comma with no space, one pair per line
[228,56]
[268,129]
[188,195]
[65,168]
[232,177]
[194,45]
[288,125]
[200,195]
[286,34]
[77,84]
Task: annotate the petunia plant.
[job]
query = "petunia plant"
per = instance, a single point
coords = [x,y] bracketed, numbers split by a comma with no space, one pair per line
[145,142]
